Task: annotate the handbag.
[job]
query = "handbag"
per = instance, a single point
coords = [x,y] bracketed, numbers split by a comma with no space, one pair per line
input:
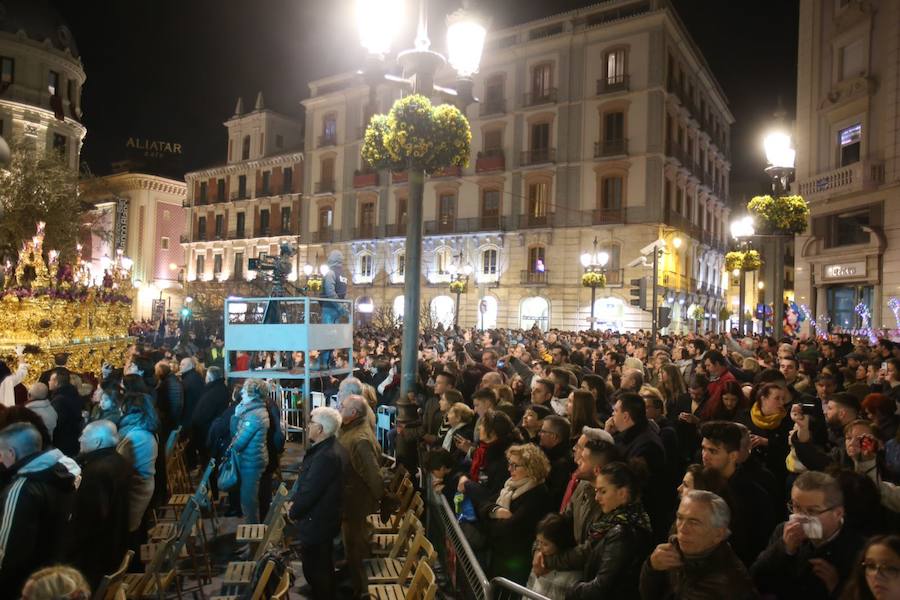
[229,469]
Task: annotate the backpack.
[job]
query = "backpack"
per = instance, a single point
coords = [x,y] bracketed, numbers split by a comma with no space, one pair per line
[280,566]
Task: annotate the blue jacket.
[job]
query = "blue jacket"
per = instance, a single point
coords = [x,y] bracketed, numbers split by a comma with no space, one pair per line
[249,426]
[138,442]
[316,508]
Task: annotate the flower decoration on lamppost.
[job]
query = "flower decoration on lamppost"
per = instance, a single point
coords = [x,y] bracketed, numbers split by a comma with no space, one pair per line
[459,283]
[594,276]
[314,277]
[415,136]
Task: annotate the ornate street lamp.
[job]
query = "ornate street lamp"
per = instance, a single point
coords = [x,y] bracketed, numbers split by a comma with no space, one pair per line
[378,23]
[780,157]
[741,230]
[459,282]
[594,277]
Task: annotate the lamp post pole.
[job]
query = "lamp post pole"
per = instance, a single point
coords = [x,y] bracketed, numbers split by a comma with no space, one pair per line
[594,263]
[654,303]
[742,290]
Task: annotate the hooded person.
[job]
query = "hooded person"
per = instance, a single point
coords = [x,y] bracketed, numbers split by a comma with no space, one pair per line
[35,503]
[334,285]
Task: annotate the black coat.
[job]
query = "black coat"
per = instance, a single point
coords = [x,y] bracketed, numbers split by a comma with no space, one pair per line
[613,567]
[561,468]
[211,404]
[68,405]
[644,443]
[316,507]
[787,576]
[100,517]
[510,540]
[752,517]
[193,390]
[718,574]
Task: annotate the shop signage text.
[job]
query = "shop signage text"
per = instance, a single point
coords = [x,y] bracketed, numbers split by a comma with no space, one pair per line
[852,270]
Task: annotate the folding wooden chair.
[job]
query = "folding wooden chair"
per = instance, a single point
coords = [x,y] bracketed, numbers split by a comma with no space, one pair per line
[165,528]
[394,544]
[405,493]
[260,588]
[396,570]
[254,533]
[281,592]
[159,574]
[422,587]
[111,585]
[239,573]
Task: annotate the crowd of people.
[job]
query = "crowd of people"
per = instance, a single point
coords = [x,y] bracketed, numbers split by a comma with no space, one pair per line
[580,464]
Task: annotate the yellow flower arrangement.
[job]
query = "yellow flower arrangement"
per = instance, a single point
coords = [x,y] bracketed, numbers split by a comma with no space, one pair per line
[784,215]
[745,261]
[457,287]
[418,133]
[698,313]
[593,279]
[314,285]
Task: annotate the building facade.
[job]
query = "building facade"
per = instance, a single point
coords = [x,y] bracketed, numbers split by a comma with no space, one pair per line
[41,77]
[600,123]
[848,104]
[248,206]
[143,217]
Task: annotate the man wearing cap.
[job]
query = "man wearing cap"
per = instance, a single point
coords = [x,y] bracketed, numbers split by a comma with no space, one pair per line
[842,408]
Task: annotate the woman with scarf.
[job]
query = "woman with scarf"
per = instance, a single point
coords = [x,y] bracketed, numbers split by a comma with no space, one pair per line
[459,419]
[489,470]
[509,522]
[249,427]
[620,540]
[770,427]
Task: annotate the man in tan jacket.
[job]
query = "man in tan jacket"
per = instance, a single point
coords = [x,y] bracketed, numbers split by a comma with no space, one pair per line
[363,487]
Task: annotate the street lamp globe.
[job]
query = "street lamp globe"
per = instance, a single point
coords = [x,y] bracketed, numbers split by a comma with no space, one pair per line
[307,270]
[761,285]
[778,150]
[467,270]
[602,258]
[676,242]
[586,260]
[378,21]
[451,269]
[465,42]
[323,270]
[742,227]
[736,272]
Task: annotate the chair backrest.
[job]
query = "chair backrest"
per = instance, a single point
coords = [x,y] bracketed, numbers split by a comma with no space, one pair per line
[423,585]
[110,584]
[165,555]
[277,504]
[189,517]
[404,493]
[283,586]
[273,534]
[170,442]
[417,505]
[260,588]
[407,530]
[411,557]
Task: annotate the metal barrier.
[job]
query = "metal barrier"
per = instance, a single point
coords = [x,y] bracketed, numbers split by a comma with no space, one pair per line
[458,558]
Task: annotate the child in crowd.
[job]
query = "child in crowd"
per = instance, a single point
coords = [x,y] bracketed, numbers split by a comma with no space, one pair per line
[554,535]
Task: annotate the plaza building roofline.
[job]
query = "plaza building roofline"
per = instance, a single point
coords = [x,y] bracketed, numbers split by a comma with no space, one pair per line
[268,161]
[119,182]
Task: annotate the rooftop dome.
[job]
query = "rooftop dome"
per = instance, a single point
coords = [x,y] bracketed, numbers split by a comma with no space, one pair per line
[39,21]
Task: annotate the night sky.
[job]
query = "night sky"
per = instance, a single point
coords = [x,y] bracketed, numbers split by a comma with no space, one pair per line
[172,69]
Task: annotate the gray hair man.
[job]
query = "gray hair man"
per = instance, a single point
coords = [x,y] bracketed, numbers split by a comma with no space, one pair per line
[39,403]
[697,561]
[98,435]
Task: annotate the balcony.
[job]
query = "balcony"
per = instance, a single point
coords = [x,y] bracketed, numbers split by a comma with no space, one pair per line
[185,239]
[490,160]
[605,216]
[539,97]
[365,179]
[538,156]
[237,234]
[325,236]
[492,107]
[399,176]
[263,232]
[239,195]
[324,187]
[615,277]
[489,223]
[609,85]
[536,221]
[858,177]
[607,148]
[453,171]
[396,230]
[440,226]
[327,140]
[364,232]
[534,277]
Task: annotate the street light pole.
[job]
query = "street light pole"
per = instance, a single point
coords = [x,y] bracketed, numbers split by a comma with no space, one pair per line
[594,263]
[654,304]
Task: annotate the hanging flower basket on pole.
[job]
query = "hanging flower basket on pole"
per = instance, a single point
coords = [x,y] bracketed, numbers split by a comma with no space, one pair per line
[785,215]
[593,280]
[745,261]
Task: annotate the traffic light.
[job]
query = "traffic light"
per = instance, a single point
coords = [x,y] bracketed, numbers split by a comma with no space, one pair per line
[185,313]
[664,316]
[639,293]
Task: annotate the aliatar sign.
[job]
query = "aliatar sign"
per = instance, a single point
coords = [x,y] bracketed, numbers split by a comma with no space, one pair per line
[154,148]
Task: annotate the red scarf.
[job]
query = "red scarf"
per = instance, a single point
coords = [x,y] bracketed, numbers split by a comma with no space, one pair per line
[570,489]
[478,460]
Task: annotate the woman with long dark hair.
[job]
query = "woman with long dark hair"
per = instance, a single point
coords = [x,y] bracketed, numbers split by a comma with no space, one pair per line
[581,410]
[489,470]
[596,385]
[877,574]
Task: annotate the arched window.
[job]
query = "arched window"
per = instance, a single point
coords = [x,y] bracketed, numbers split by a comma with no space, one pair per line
[366,266]
[443,258]
[245,148]
[536,260]
[398,307]
[489,260]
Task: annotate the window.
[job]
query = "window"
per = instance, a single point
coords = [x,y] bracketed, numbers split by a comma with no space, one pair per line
[493,92]
[60,143]
[490,209]
[614,127]
[489,262]
[287,180]
[401,211]
[611,193]
[279,141]
[493,141]
[536,262]
[443,258]
[400,265]
[366,266]
[7,70]
[849,141]
[220,190]
[541,81]
[242,187]
[327,175]
[326,218]
[164,243]
[615,67]
[52,82]
[241,223]
[238,265]
[847,229]
[285,219]
[367,219]
[203,192]
[540,137]
[538,200]
[245,148]
[220,226]
[201,228]
[446,210]
[329,129]
[217,265]
[201,265]
[264,222]
[266,179]
[70,90]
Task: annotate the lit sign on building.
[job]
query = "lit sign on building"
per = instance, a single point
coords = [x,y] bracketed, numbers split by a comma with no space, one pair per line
[153,148]
[852,270]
